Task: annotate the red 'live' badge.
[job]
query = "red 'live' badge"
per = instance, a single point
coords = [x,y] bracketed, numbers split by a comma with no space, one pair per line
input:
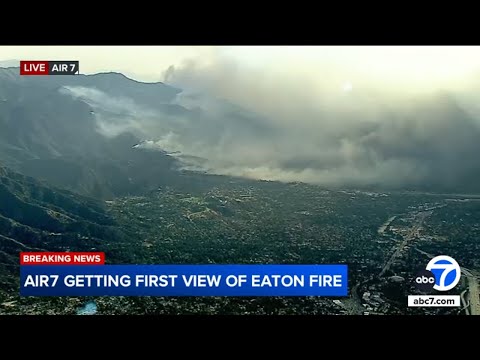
[34,68]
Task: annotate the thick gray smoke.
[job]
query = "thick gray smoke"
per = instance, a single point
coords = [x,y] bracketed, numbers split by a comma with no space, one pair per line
[268,125]
[358,132]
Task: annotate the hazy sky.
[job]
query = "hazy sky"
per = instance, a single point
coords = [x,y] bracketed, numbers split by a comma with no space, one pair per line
[391,66]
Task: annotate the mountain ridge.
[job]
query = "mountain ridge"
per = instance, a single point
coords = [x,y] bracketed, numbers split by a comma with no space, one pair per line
[34,216]
[84,140]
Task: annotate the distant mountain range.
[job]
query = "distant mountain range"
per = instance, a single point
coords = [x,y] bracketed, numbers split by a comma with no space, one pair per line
[80,132]
[50,135]
[9,63]
[94,135]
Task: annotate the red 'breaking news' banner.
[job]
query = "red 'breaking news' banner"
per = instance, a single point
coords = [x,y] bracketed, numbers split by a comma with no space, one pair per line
[62,258]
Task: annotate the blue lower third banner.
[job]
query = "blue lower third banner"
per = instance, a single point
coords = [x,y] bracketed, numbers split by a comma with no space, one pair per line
[184,280]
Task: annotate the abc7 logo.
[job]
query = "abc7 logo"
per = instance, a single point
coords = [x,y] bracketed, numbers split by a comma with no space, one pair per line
[442,273]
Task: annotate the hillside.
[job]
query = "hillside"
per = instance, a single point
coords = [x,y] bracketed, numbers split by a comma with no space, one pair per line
[38,217]
[48,134]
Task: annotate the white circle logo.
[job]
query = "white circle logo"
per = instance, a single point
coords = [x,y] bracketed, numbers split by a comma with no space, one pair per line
[447,272]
